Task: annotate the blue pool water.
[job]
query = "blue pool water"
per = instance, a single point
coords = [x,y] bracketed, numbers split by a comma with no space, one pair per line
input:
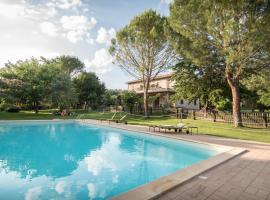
[68,160]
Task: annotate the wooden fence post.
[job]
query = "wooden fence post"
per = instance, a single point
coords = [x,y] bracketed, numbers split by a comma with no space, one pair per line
[214,116]
[265,119]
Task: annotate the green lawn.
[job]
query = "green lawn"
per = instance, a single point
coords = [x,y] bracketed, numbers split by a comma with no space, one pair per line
[205,127]
[30,115]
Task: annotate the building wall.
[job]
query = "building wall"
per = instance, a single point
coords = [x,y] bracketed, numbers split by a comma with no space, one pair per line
[161,83]
[165,83]
[186,105]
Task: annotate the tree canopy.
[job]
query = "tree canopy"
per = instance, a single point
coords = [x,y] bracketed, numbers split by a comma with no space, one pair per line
[89,89]
[142,50]
[236,32]
[58,83]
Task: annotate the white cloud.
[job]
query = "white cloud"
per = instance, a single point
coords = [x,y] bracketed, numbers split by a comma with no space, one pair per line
[48,28]
[105,36]
[91,190]
[33,193]
[60,187]
[101,63]
[167,1]
[80,22]
[48,17]
[67,4]
[77,27]
[39,12]
[13,54]
[11,10]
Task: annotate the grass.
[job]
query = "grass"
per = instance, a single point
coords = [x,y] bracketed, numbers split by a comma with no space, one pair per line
[205,127]
[31,115]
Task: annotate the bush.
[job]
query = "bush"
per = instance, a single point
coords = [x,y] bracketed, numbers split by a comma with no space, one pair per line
[5,106]
[13,109]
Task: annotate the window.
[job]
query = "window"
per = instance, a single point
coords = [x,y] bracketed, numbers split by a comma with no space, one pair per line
[195,102]
[181,101]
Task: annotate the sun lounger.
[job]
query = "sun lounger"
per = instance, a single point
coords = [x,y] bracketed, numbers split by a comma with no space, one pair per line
[104,119]
[178,128]
[121,120]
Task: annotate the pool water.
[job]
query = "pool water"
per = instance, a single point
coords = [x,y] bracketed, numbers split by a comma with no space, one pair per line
[69,160]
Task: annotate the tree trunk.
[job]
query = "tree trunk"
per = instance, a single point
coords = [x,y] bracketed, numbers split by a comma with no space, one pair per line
[234,85]
[145,97]
[36,107]
[205,110]
[145,102]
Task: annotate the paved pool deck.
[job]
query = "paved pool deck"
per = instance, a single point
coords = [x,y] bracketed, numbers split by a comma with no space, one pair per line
[244,177]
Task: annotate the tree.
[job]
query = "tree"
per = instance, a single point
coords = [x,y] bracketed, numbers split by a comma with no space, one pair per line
[142,50]
[69,64]
[38,81]
[238,31]
[111,97]
[260,84]
[62,92]
[206,83]
[26,82]
[130,98]
[89,89]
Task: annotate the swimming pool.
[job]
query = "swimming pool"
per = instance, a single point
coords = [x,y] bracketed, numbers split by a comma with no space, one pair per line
[70,160]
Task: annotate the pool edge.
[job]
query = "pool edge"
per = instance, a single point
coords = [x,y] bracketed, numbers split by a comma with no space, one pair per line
[164,184]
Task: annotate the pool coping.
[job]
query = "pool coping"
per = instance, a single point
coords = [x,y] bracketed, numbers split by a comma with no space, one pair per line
[164,184]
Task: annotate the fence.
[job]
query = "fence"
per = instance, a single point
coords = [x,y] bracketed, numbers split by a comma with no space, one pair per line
[252,119]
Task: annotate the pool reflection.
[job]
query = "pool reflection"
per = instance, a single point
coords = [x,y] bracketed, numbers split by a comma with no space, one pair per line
[72,161]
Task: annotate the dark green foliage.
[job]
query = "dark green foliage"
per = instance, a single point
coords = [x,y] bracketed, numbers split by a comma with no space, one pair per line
[89,89]
[142,50]
[38,82]
[130,99]
[260,85]
[111,98]
[234,34]
[206,83]
[69,64]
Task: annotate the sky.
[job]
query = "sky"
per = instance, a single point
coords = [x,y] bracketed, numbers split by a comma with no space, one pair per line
[82,28]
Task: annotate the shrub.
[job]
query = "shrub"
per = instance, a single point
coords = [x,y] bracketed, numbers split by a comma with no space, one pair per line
[13,109]
[5,106]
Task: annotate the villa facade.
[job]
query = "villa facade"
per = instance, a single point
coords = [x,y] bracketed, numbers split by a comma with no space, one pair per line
[162,87]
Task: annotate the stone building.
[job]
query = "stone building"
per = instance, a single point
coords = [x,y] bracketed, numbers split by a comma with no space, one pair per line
[162,87]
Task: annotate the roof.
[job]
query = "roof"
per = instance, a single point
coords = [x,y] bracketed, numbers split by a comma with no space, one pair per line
[156,90]
[163,76]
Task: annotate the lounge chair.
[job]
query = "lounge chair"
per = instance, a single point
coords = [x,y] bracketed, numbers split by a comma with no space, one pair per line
[104,119]
[121,120]
[178,128]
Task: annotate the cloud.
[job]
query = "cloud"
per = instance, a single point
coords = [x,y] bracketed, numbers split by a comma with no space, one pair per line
[60,187]
[67,4]
[77,27]
[50,21]
[11,11]
[91,190]
[48,28]
[105,36]
[101,63]
[33,193]
[39,12]
[167,1]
